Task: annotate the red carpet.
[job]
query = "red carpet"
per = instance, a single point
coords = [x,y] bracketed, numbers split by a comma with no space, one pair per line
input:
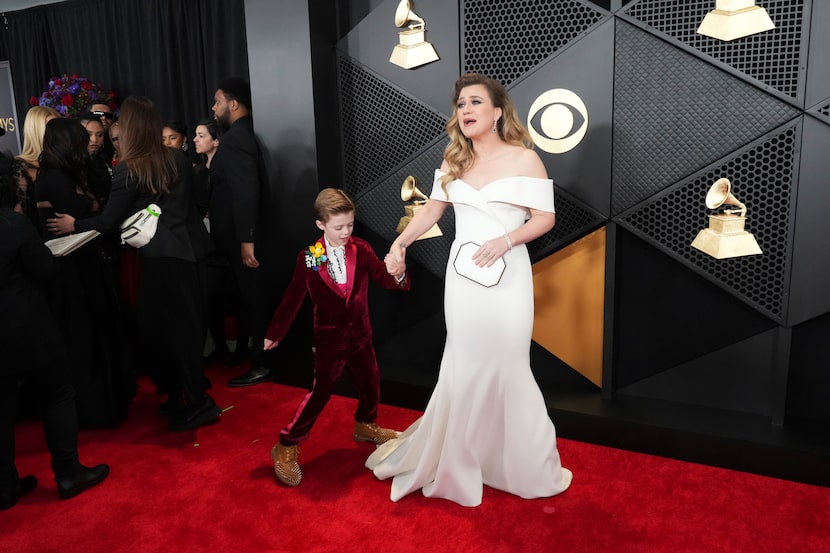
[214,490]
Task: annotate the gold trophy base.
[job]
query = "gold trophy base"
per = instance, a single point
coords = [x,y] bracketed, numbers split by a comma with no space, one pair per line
[726,238]
[743,19]
[412,50]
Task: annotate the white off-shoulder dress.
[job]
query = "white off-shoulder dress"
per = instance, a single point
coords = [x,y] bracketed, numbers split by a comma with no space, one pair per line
[486,422]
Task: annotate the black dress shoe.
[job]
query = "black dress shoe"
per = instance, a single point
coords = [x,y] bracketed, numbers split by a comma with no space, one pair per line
[8,498]
[85,479]
[253,376]
[196,416]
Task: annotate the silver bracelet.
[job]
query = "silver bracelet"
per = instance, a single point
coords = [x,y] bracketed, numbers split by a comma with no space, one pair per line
[509,242]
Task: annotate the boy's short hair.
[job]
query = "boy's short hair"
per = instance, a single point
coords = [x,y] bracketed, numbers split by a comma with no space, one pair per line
[331,202]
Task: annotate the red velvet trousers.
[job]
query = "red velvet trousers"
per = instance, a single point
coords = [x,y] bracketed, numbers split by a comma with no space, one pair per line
[361,364]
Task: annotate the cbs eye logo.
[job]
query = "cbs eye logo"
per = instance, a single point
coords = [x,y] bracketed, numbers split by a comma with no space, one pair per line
[557,121]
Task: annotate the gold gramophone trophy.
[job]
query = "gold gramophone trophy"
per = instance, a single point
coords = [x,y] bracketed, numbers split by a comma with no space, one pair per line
[412,49]
[725,237]
[409,190]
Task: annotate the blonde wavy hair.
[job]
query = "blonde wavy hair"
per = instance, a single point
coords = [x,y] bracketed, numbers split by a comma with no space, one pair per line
[34,126]
[459,153]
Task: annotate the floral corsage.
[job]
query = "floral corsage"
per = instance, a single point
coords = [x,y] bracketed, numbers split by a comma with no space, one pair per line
[315,256]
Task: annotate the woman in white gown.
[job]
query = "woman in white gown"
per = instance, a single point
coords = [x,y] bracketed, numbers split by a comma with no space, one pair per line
[486,422]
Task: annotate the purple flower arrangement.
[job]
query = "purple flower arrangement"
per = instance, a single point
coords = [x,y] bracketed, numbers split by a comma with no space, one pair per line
[71,95]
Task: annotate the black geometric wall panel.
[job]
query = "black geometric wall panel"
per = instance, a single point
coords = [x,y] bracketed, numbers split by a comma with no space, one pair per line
[809,379]
[506,39]
[773,58]
[708,381]
[809,293]
[762,177]
[674,113]
[381,126]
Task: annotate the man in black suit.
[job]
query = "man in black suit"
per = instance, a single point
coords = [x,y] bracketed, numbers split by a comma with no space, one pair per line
[238,180]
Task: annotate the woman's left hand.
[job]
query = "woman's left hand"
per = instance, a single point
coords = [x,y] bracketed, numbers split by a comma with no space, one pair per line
[490,252]
[61,224]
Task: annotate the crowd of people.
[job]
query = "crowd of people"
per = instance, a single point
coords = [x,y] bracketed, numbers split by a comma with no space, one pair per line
[486,422]
[102,301]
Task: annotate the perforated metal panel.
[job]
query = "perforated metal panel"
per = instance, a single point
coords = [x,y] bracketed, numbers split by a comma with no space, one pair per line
[573,220]
[762,178]
[505,39]
[674,114]
[774,58]
[381,126]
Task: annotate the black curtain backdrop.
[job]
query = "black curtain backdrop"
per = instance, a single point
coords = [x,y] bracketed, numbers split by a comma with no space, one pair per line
[172,51]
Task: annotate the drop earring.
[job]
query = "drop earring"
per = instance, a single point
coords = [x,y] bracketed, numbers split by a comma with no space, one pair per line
[495,129]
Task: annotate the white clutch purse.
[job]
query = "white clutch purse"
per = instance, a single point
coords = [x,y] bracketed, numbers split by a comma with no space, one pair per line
[466,267]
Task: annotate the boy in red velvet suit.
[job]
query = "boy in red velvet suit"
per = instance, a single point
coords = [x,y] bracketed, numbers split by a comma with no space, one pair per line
[335,273]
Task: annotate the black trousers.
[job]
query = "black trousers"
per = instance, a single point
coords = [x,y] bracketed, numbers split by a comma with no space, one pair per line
[218,302]
[172,321]
[254,315]
[53,385]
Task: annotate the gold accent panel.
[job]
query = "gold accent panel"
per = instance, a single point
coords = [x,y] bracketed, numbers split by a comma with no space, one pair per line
[569,292]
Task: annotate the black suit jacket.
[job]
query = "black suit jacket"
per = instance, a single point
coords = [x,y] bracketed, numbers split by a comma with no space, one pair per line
[238,180]
[27,328]
[180,234]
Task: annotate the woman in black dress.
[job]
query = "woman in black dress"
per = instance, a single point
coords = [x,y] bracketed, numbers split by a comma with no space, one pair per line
[83,297]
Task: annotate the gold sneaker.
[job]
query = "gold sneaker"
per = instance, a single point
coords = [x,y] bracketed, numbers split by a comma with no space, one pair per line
[371,432]
[285,464]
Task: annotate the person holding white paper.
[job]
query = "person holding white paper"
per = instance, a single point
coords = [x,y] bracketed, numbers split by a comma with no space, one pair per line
[83,298]
[486,422]
[170,310]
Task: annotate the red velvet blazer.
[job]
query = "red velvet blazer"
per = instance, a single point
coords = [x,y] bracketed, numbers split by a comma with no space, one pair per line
[341,314]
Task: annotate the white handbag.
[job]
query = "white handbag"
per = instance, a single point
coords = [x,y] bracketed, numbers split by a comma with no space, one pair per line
[139,228]
[466,267]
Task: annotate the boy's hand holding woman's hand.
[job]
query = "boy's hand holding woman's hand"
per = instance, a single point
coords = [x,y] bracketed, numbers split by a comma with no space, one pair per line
[396,262]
